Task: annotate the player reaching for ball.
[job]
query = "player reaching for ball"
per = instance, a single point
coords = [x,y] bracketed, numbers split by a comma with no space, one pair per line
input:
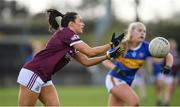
[35,76]
[122,71]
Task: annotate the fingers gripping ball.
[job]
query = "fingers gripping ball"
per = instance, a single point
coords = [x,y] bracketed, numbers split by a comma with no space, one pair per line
[115,41]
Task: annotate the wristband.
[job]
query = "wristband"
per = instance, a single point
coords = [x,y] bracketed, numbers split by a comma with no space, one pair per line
[111,44]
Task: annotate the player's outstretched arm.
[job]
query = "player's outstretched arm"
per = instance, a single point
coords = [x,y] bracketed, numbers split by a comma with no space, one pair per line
[94,51]
[91,51]
[169,60]
[166,69]
[86,61]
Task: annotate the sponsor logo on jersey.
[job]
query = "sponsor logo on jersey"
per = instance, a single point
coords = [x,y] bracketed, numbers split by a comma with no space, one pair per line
[75,37]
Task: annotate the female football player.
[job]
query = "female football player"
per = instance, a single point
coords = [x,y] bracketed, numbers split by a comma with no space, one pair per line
[35,75]
[165,84]
[121,75]
[176,64]
[162,82]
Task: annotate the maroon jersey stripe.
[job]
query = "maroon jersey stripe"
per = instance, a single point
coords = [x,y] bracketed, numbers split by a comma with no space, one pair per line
[34,80]
[31,81]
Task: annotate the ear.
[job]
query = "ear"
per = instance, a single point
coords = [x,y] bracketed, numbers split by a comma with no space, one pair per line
[71,23]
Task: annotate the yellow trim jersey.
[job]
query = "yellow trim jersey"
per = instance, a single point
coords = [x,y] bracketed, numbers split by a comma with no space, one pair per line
[131,62]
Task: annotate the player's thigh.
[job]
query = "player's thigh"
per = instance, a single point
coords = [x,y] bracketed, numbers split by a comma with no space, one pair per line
[159,81]
[49,96]
[27,97]
[125,93]
[114,101]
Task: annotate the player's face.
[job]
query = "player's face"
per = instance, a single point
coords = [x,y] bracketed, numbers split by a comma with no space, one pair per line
[138,34]
[78,25]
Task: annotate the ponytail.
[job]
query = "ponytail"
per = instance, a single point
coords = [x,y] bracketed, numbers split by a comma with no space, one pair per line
[52,18]
[69,16]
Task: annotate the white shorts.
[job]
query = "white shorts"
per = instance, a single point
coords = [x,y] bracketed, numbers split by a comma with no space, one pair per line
[168,79]
[113,81]
[31,80]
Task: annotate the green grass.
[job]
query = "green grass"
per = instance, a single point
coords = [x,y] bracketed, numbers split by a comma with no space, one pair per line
[82,96]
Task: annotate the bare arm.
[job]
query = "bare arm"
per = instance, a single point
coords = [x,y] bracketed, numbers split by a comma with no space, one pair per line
[169,60]
[108,64]
[89,51]
[84,60]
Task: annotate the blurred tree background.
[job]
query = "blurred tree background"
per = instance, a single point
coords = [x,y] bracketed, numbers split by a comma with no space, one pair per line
[19,27]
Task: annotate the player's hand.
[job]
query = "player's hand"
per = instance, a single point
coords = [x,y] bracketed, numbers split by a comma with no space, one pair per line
[114,53]
[166,69]
[115,41]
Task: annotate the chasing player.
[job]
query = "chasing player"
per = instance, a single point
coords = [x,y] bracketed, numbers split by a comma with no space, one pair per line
[122,72]
[162,81]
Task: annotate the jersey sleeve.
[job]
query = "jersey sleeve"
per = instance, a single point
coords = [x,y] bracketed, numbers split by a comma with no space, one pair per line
[72,39]
[69,37]
[75,39]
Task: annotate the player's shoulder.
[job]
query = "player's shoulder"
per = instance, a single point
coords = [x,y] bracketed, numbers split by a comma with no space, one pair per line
[68,33]
[145,44]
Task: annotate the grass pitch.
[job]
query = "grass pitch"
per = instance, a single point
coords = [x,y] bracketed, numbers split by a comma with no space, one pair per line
[82,96]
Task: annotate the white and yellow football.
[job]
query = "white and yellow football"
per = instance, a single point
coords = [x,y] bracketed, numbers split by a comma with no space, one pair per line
[159,47]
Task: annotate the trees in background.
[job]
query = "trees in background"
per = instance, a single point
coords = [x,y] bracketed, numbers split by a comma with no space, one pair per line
[13,8]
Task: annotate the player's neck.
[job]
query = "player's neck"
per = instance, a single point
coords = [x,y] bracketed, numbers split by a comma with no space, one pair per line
[134,45]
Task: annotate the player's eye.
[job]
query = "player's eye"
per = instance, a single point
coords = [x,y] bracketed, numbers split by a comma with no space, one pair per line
[144,31]
[140,30]
[81,20]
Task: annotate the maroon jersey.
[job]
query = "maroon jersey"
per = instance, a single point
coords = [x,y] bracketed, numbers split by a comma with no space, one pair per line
[56,54]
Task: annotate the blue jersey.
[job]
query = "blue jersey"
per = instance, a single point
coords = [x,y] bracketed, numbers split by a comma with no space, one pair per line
[157,68]
[131,62]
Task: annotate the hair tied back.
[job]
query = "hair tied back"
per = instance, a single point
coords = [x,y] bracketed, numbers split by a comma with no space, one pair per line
[54,12]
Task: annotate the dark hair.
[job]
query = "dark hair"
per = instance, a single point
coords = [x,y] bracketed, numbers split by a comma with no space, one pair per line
[66,18]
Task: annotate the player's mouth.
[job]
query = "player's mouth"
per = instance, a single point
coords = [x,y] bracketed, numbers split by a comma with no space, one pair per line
[142,37]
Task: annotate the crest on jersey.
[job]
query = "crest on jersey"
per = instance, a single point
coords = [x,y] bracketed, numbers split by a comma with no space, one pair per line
[134,54]
[141,54]
[75,37]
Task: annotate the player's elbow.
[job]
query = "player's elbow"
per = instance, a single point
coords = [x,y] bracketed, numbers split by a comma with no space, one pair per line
[86,64]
